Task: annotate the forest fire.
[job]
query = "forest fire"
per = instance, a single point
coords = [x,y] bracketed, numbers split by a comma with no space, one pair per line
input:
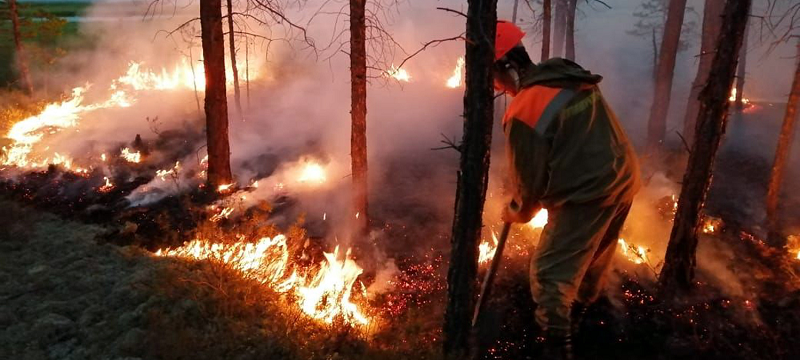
[322,292]
[398,74]
[312,173]
[68,114]
[454,81]
[131,156]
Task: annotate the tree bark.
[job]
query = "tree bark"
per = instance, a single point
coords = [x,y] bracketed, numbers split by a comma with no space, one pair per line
[358,111]
[22,60]
[216,103]
[570,46]
[472,176]
[712,21]
[679,263]
[236,94]
[657,125]
[740,75]
[559,27]
[782,153]
[547,20]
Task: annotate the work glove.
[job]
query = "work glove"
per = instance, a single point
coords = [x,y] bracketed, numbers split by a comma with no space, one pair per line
[513,213]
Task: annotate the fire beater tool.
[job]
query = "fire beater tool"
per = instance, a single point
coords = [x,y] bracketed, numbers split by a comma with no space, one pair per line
[486,287]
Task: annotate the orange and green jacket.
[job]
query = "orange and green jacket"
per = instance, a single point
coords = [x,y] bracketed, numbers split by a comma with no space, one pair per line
[564,144]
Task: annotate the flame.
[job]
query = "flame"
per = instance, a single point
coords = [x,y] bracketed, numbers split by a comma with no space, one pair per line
[327,295]
[398,74]
[223,214]
[162,174]
[57,116]
[793,245]
[312,172]
[634,253]
[224,187]
[133,157]
[108,185]
[486,251]
[455,80]
[323,293]
[539,220]
[732,98]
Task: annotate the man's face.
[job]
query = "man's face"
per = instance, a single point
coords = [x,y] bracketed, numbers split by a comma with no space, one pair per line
[504,80]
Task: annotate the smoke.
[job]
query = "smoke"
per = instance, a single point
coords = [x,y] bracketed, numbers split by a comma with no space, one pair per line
[297,112]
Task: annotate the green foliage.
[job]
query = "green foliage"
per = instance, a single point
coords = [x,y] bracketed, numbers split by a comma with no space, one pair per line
[45,35]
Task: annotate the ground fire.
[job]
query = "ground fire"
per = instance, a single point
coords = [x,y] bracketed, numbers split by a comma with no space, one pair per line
[262,180]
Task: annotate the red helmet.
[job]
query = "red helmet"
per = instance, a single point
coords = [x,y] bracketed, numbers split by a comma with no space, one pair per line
[508,36]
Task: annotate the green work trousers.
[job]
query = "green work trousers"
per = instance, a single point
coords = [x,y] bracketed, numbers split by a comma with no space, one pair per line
[569,264]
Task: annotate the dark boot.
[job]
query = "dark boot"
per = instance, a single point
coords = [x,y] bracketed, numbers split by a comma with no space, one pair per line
[557,346]
[576,315]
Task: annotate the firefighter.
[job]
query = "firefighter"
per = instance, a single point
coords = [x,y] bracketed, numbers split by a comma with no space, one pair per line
[567,153]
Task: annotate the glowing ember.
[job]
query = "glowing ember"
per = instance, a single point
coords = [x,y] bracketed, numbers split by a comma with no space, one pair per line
[635,254]
[455,80]
[711,225]
[539,220]
[398,74]
[129,156]
[486,250]
[312,173]
[322,293]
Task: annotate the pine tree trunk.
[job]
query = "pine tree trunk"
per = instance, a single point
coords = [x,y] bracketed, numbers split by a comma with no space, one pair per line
[559,27]
[712,21]
[740,75]
[782,152]
[657,125]
[22,61]
[216,105]
[358,111]
[236,94]
[570,46]
[679,263]
[472,177]
[547,20]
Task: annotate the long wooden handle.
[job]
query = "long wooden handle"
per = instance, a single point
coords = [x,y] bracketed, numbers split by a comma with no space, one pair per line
[486,287]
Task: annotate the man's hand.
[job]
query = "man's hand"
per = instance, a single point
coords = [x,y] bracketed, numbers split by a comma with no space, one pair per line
[513,214]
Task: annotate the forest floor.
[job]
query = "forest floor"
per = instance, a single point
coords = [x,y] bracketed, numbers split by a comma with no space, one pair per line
[75,284]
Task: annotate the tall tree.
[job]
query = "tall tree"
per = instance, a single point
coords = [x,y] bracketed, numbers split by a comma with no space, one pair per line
[680,260]
[216,103]
[559,27]
[572,7]
[232,44]
[742,71]
[657,125]
[782,152]
[358,112]
[652,16]
[712,21]
[473,176]
[547,19]
[22,61]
